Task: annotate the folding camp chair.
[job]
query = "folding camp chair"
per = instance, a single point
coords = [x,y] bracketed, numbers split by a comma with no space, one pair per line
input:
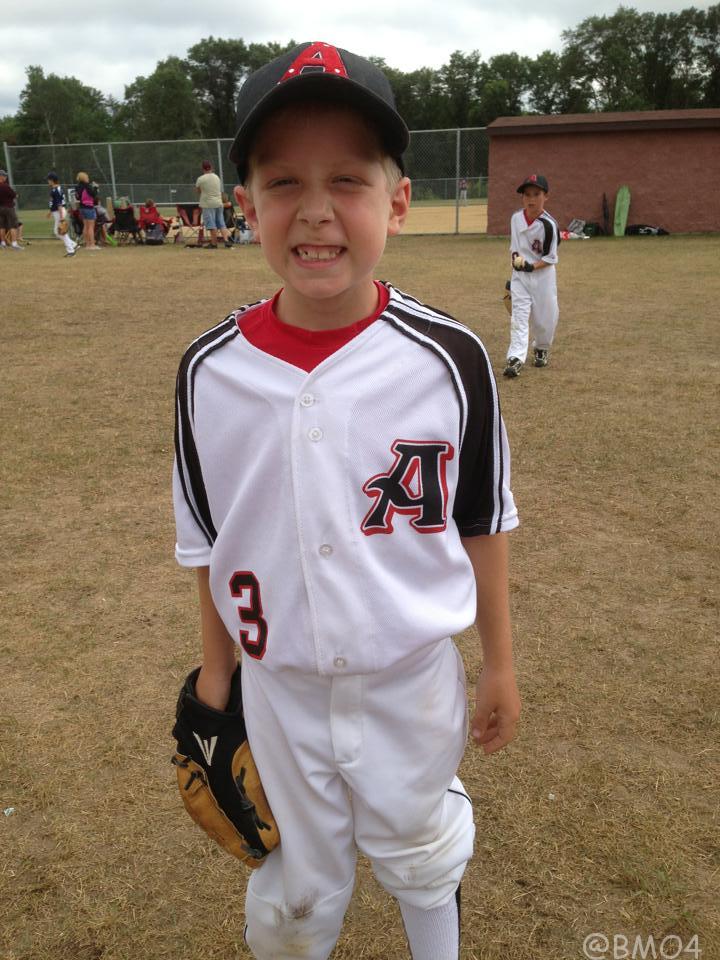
[125,227]
[191,219]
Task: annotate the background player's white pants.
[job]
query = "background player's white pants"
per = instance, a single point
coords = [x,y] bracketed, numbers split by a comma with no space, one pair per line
[69,243]
[57,216]
[352,762]
[534,311]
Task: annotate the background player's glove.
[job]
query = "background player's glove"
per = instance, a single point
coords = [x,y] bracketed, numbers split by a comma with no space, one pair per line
[218,780]
[62,227]
[520,263]
[507,298]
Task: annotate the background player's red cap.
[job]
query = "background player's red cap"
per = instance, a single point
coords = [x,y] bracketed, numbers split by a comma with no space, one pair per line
[534,180]
[318,69]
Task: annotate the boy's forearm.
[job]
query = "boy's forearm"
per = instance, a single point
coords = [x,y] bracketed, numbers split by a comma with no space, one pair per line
[489,557]
[219,649]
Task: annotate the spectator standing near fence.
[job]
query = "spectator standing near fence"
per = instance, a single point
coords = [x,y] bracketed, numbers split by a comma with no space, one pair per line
[463,187]
[210,189]
[86,194]
[8,217]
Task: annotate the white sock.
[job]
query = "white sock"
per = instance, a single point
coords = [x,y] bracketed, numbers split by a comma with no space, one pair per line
[433,934]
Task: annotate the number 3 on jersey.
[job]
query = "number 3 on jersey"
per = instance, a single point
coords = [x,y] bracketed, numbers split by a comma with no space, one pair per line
[253,633]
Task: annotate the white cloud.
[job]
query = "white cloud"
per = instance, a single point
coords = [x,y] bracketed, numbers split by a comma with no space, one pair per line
[109,44]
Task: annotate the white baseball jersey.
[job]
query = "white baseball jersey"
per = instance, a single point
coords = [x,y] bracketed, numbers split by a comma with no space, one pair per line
[329,505]
[537,240]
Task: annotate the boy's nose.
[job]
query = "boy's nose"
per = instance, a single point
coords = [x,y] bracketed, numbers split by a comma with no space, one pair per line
[315,207]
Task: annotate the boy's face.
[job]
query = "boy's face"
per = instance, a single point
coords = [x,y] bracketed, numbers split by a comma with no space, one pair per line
[533,201]
[319,200]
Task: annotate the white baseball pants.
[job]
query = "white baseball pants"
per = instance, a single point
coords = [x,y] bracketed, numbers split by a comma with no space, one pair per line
[534,311]
[57,216]
[357,762]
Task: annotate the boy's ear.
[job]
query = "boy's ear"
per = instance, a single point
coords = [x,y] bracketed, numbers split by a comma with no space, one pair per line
[399,206]
[244,200]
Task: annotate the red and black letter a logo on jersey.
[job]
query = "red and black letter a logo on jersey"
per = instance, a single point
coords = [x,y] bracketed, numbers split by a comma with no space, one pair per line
[415,485]
[317,58]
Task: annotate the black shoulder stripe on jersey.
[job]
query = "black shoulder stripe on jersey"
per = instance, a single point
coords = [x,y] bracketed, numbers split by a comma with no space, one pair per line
[188,461]
[551,229]
[480,478]
[419,328]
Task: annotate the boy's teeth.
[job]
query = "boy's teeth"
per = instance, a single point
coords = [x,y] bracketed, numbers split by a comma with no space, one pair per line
[328,253]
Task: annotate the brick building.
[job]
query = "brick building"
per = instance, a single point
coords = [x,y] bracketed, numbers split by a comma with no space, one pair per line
[670,159]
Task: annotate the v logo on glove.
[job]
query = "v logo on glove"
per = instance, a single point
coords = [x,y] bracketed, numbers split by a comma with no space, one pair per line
[207,747]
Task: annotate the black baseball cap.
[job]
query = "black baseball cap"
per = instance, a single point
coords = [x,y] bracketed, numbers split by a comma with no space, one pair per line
[534,180]
[329,73]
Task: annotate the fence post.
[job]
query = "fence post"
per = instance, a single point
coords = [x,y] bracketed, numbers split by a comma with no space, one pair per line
[112,172]
[8,167]
[457,180]
[220,164]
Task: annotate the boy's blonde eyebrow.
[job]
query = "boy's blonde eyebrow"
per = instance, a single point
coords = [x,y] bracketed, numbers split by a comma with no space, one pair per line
[393,173]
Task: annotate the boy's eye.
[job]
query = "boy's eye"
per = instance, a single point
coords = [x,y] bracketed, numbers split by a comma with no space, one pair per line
[281,182]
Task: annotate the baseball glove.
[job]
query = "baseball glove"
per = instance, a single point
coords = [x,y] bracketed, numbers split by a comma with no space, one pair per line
[62,227]
[217,777]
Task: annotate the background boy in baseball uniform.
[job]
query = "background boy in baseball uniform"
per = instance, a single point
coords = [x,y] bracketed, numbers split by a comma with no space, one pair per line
[534,239]
[341,485]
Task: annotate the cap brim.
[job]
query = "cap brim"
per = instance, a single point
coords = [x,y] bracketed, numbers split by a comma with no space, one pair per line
[531,183]
[341,90]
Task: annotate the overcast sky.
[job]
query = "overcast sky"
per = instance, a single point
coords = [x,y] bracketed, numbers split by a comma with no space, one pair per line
[108,43]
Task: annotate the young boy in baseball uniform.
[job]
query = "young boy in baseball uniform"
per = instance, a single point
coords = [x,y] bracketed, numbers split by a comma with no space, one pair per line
[534,239]
[341,484]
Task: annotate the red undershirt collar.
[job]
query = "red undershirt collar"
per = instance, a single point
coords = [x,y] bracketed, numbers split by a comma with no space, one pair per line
[302,348]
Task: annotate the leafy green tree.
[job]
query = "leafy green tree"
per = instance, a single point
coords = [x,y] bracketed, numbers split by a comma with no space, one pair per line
[649,61]
[162,106]
[8,130]
[461,82]
[707,49]
[216,69]
[504,84]
[553,86]
[57,109]
[418,96]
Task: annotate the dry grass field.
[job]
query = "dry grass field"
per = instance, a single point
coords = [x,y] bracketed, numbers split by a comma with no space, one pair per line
[602,816]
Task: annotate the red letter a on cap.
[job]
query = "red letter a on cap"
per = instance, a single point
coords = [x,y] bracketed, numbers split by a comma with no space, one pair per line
[318,58]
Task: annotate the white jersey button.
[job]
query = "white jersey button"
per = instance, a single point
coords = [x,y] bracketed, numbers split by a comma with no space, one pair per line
[325,550]
[315,434]
[339,662]
[307,400]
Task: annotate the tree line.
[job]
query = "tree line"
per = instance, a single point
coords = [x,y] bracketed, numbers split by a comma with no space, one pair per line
[625,61]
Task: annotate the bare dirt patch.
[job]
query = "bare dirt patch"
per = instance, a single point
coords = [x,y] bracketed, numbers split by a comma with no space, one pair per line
[601,817]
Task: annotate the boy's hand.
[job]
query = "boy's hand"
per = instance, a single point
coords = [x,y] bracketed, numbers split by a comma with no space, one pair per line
[497,709]
[213,687]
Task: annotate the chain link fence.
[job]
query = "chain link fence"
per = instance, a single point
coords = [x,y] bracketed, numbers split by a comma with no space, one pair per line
[448,169]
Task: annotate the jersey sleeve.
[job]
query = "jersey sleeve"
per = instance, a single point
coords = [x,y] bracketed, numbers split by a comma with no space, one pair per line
[551,241]
[484,503]
[191,545]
